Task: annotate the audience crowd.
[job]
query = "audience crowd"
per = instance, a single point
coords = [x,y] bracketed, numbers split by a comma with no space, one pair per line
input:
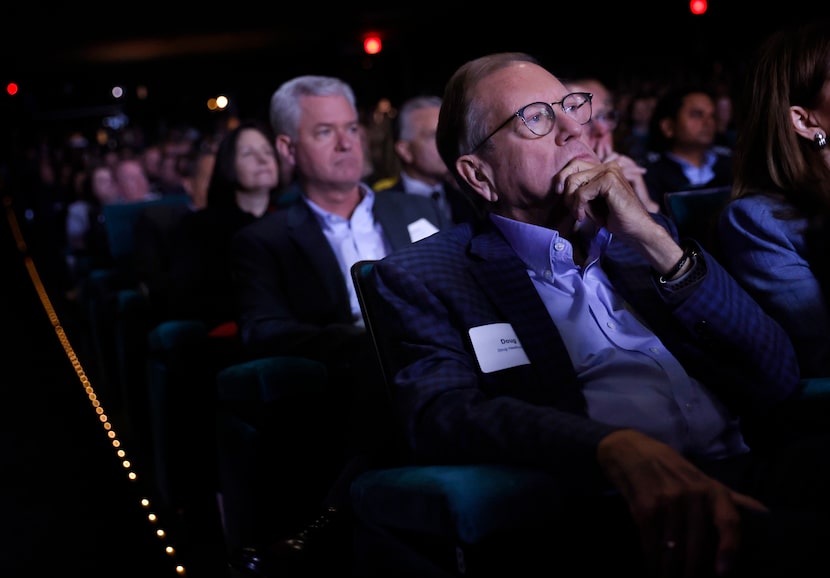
[250,227]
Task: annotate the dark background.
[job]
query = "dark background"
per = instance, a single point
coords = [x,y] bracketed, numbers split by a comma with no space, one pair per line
[66,56]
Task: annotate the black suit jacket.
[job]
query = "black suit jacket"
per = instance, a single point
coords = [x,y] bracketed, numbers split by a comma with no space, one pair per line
[292,298]
[665,175]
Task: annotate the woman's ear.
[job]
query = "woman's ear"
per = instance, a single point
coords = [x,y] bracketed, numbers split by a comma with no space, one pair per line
[801,122]
[474,174]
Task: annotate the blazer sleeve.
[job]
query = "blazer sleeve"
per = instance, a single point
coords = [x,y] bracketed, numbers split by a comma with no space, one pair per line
[768,256]
[282,307]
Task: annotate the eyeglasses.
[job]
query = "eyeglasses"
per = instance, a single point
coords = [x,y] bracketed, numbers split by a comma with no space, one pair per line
[539,117]
[609,118]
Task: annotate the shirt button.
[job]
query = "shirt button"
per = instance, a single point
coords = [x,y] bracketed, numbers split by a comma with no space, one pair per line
[559,246]
[611,325]
[547,273]
[654,350]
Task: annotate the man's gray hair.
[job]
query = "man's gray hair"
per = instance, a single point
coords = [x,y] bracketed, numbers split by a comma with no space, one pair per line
[404,126]
[285,102]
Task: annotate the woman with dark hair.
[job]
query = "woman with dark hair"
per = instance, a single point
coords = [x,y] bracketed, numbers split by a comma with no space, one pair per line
[773,233]
[242,188]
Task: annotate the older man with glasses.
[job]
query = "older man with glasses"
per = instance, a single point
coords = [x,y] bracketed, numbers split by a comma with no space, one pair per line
[573,332]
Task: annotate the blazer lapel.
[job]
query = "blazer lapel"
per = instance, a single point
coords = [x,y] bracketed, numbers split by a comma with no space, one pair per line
[308,236]
[395,212]
[503,276]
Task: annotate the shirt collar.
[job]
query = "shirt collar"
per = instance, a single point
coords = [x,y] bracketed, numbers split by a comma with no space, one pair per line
[536,246]
[362,213]
[411,185]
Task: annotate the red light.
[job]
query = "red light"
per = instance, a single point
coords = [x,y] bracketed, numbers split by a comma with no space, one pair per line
[11,88]
[372,44]
[698,7]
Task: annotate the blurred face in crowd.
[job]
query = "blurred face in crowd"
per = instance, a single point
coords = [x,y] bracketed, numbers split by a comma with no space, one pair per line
[642,107]
[695,124]
[599,131]
[133,180]
[104,185]
[723,112]
[328,152]
[255,162]
[420,153]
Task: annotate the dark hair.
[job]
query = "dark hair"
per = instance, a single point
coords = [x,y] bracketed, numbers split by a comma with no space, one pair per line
[224,182]
[668,107]
[789,69]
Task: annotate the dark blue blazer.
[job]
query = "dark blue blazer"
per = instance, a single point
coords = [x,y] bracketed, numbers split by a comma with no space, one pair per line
[291,296]
[435,291]
[665,175]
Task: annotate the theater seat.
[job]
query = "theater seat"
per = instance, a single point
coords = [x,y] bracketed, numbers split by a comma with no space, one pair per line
[267,427]
[695,212]
[478,519]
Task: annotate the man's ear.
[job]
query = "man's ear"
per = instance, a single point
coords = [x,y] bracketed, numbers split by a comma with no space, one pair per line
[802,123]
[403,149]
[475,174]
[285,149]
[667,128]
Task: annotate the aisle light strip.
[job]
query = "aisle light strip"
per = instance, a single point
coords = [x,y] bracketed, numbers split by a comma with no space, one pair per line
[79,371]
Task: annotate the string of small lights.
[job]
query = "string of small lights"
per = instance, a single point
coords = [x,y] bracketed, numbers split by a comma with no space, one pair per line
[132,475]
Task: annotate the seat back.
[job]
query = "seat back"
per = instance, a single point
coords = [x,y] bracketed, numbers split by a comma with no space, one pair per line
[120,220]
[265,409]
[367,299]
[695,212]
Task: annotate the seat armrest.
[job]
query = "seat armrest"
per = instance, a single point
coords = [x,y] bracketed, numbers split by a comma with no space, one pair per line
[459,502]
[815,388]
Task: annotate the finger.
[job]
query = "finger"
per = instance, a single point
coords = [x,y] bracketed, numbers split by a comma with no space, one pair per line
[652,544]
[562,178]
[727,524]
[747,502]
[673,540]
[611,157]
[699,539]
[630,170]
[604,150]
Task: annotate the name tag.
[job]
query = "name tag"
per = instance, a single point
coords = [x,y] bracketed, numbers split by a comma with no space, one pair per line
[497,347]
[420,229]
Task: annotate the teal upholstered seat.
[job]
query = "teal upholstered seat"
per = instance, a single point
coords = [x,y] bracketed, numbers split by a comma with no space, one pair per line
[120,220]
[172,346]
[816,388]
[468,503]
[695,213]
[270,379]
[263,407]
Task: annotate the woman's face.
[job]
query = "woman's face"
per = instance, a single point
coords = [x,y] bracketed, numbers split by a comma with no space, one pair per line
[256,162]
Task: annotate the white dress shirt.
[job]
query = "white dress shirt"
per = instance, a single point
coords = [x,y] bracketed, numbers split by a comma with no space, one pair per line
[359,237]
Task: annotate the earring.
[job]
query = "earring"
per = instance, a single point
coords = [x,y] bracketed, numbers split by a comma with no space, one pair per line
[821,140]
